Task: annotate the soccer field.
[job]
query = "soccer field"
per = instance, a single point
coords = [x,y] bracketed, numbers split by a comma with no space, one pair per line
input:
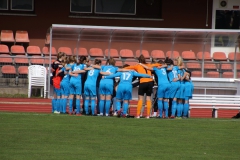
[47,136]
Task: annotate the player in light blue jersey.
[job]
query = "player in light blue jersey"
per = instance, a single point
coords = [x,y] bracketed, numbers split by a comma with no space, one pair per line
[173,77]
[90,91]
[124,90]
[163,89]
[76,84]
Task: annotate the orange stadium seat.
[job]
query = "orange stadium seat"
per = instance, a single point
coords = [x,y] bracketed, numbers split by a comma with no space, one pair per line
[5,59]
[193,66]
[45,51]
[210,66]
[127,55]
[17,50]
[21,60]
[172,54]
[219,56]
[119,63]
[21,37]
[231,56]
[46,60]
[23,71]
[37,60]
[196,74]
[96,53]
[145,53]
[66,50]
[7,36]
[4,49]
[207,56]
[81,51]
[213,74]
[131,63]
[227,75]
[158,54]
[226,66]
[8,71]
[112,53]
[34,50]
[189,55]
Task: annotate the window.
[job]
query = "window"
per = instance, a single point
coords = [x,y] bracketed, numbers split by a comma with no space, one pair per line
[3,4]
[23,5]
[115,7]
[81,6]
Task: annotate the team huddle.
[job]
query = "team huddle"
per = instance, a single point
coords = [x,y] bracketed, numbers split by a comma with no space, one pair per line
[104,86]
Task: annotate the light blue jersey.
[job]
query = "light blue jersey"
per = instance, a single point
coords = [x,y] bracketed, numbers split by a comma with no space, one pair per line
[76,67]
[75,81]
[173,74]
[90,83]
[124,91]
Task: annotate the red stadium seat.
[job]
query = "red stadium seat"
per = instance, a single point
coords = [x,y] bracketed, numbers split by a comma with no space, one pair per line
[8,71]
[127,55]
[145,53]
[207,56]
[21,60]
[66,50]
[226,66]
[213,74]
[210,66]
[7,36]
[157,54]
[45,51]
[172,54]
[4,49]
[5,59]
[112,53]
[227,75]
[21,37]
[37,60]
[196,74]
[96,53]
[17,50]
[193,66]
[46,60]
[34,50]
[219,56]
[81,51]
[23,71]
[188,55]
[232,54]
[119,63]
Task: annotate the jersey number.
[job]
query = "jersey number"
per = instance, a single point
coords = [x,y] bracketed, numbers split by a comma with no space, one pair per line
[126,76]
[91,72]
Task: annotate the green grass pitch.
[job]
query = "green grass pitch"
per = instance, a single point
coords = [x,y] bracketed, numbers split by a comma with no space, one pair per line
[32,136]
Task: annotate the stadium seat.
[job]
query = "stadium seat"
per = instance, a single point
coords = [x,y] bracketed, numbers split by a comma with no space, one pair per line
[81,52]
[231,56]
[227,75]
[21,60]
[213,74]
[66,50]
[4,49]
[33,50]
[119,63]
[207,56]
[219,56]
[21,37]
[96,53]
[127,55]
[22,71]
[226,66]
[145,53]
[5,59]
[8,71]
[47,62]
[37,60]
[210,66]
[7,36]
[189,55]
[193,66]
[17,50]
[45,51]
[196,74]
[131,63]
[112,53]
[157,54]
[172,54]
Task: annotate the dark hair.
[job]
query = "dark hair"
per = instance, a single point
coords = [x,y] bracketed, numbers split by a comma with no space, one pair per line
[161,61]
[82,59]
[168,61]
[97,61]
[111,61]
[72,59]
[141,59]
[60,55]
[125,65]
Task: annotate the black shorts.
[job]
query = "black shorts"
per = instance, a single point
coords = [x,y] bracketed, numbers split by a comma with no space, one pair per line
[146,87]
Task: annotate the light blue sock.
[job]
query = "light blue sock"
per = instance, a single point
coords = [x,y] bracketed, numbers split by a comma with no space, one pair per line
[181,109]
[185,109]
[178,109]
[61,105]
[107,106]
[118,103]
[174,107]
[93,104]
[86,102]
[64,106]
[165,105]
[125,108]
[70,105]
[53,105]
[58,104]
[160,108]
[78,106]
[101,106]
